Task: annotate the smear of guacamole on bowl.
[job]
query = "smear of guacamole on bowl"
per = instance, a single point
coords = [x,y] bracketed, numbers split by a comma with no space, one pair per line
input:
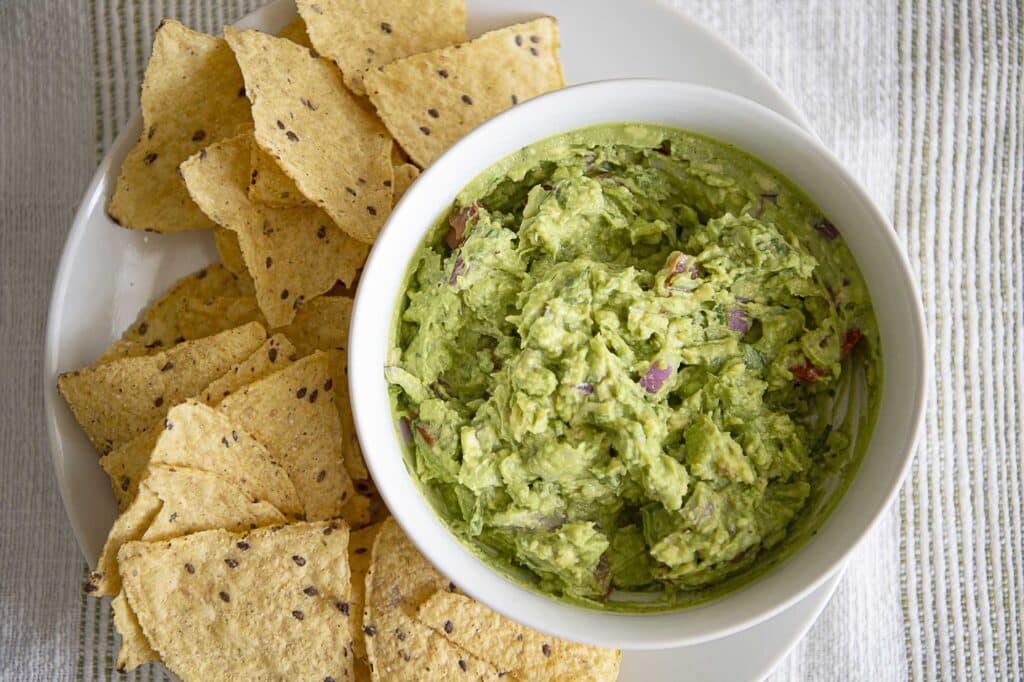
[622,364]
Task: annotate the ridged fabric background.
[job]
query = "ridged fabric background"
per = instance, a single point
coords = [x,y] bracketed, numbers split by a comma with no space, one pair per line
[921,100]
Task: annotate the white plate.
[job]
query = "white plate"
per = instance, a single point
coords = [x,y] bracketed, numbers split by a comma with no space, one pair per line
[108,274]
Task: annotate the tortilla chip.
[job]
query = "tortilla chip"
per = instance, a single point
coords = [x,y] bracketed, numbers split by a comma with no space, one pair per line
[119,400]
[292,413]
[201,317]
[121,349]
[405,175]
[229,251]
[356,511]
[126,465]
[135,649]
[360,35]
[187,501]
[195,500]
[295,31]
[192,95]
[338,153]
[200,438]
[269,185]
[430,100]
[158,326]
[398,646]
[360,550]
[293,254]
[131,525]
[261,605]
[508,645]
[323,325]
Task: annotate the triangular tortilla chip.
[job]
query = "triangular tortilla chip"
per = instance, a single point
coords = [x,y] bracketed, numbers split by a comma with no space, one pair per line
[192,95]
[231,258]
[200,438]
[261,605]
[122,349]
[508,645]
[337,152]
[360,550]
[130,525]
[119,400]
[405,175]
[430,100]
[158,326]
[185,501]
[360,35]
[293,254]
[398,646]
[269,185]
[126,464]
[291,412]
[321,324]
[295,31]
[202,317]
[135,649]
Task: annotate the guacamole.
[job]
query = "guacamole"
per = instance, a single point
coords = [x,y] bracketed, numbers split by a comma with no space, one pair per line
[627,362]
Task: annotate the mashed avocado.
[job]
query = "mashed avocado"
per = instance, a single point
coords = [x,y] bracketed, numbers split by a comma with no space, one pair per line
[619,363]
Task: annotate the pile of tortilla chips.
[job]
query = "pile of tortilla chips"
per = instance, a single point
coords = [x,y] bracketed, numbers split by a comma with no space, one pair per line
[251,541]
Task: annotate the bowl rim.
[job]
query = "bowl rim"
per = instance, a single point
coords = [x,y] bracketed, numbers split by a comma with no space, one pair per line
[416,515]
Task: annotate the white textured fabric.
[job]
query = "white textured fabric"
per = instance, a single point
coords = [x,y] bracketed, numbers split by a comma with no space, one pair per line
[920,99]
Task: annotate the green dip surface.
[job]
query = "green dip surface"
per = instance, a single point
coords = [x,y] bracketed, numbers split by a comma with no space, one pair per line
[635,367]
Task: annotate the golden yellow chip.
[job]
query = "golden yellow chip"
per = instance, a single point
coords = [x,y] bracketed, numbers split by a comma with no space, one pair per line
[337,152]
[360,35]
[135,649]
[405,175]
[269,185]
[192,95]
[218,605]
[201,317]
[430,100]
[295,31]
[360,549]
[185,501]
[231,258]
[197,437]
[126,464]
[122,349]
[158,326]
[130,525]
[508,645]
[397,645]
[293,254]
[292,413]
[119,400]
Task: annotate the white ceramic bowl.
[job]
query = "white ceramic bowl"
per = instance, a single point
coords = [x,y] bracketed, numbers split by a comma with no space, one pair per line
[767,136]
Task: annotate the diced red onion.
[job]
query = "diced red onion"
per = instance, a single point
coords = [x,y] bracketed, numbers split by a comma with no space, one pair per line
[681,264]
[458,269]
[585,389]
[738,320]
[655,377]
